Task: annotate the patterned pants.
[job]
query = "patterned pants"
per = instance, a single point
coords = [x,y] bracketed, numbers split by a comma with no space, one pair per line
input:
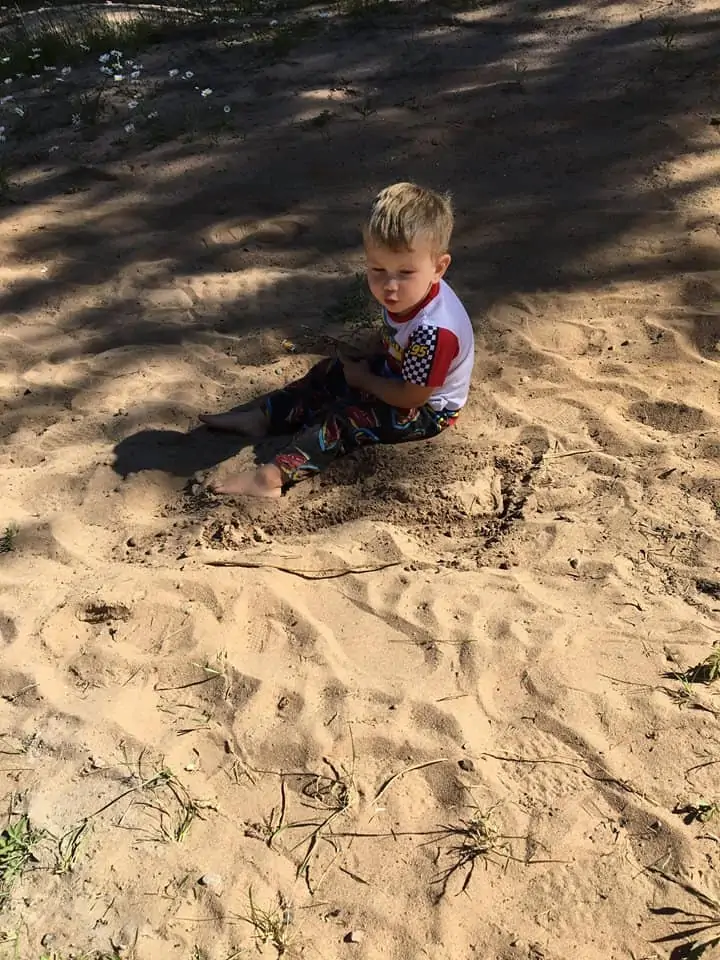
[333,419]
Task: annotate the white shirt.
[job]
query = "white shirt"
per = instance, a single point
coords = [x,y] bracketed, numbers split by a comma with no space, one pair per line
[432,347]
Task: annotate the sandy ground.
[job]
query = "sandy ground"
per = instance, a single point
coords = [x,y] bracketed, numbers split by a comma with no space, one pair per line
[484,681]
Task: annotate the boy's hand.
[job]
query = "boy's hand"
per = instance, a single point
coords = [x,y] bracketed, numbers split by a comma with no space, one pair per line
[356,372]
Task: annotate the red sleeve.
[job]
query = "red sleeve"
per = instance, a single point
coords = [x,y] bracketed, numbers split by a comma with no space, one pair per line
[428,356]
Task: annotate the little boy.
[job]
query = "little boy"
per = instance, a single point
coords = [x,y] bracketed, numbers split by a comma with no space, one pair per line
[413,390]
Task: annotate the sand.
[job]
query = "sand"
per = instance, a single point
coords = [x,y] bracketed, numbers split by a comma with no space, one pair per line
[433,711]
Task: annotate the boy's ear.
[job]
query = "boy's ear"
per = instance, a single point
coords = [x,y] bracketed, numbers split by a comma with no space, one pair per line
[442,264]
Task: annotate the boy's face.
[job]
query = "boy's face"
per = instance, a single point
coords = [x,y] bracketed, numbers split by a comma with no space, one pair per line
[400,279]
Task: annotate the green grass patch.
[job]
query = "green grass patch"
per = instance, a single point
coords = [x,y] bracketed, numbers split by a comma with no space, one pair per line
[17,842]
[271,926]
[54,42]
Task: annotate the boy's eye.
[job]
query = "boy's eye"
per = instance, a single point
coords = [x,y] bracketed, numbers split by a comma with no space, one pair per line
[377,270]
[407,273]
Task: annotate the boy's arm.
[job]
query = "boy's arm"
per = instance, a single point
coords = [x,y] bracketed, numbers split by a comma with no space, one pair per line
[426,363]
[396,393]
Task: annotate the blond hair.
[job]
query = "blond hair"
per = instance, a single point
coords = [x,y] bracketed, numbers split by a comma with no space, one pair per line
[403,212]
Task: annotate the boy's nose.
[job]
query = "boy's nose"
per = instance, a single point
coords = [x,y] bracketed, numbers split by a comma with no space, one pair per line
[391,284]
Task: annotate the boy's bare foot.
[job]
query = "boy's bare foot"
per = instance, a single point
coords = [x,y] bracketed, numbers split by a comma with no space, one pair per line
[250,423]
[264,482]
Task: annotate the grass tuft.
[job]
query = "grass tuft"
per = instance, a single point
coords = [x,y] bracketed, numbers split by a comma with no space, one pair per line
[469,841]
[707,671]
[272,926]
[281,40]
[58,41]
[702,811]
[696,934]
[68,847]
[17,842]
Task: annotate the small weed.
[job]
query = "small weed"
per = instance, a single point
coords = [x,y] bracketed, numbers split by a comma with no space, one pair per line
[685,696]
[702,811]
[7,540]
[88,108]
[281,40]
[667,35]
[332,796]
[176,808]
[68,847]
[167,797]
[272,824]
[477,839]
[365,109]
[17,842]
[321,120]
[707,671]
[271,927]
[694,927]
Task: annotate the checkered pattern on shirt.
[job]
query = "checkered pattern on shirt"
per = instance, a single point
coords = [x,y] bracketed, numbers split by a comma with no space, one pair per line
[419,355]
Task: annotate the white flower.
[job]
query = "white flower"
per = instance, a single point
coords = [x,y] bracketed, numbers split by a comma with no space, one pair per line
[34,56]
[104,57]
[173,73]
[188,74]
[35,76]
[135,75]
[76,119]
[206,92]
[53,148]
[4,100]
[226,108]
[2,129]
[66,70]
[50,69]
[153,115]
[8,81]
[273,23]
[36,50]
[20,111]
[4,59]
[85,48]
[129,128]
[117,77]
[132,104]
[116,53]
